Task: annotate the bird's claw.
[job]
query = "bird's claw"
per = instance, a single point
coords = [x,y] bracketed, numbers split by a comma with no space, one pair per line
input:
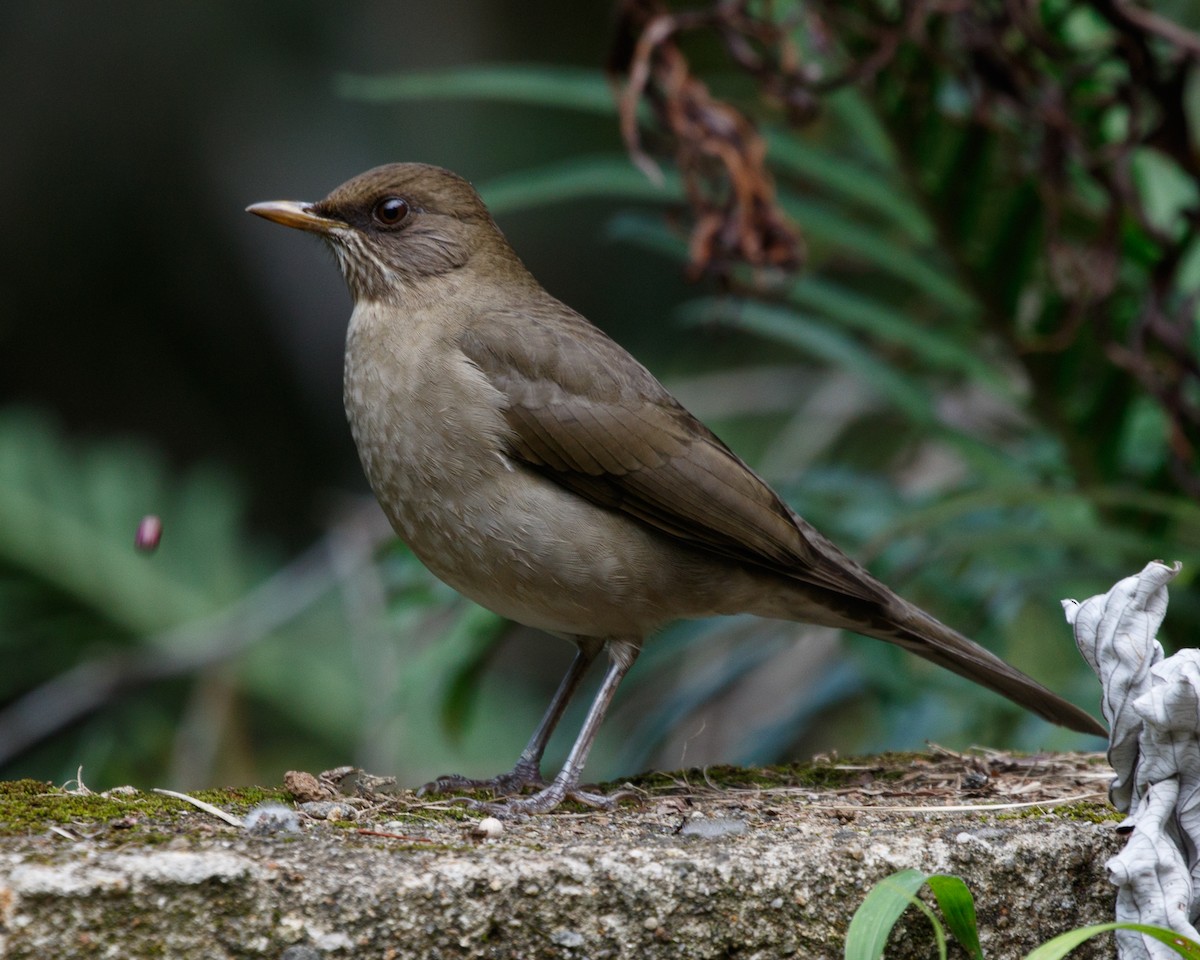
[502,785]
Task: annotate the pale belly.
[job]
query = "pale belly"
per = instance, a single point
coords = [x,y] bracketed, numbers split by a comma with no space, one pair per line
[528,550]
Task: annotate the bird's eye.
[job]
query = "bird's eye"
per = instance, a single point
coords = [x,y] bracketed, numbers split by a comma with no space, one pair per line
[390,211]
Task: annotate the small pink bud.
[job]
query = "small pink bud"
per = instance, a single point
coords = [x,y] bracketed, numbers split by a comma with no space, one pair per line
[149,532]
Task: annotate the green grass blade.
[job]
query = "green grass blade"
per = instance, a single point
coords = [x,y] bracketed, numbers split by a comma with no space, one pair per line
[1064,943]
[570,88]
[873,921]
[958,909]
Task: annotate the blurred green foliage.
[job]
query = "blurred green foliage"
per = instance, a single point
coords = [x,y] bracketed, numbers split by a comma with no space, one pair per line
[1000,456]
[953,420]
[205,659]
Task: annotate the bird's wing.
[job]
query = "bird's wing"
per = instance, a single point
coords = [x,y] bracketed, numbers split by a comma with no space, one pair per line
[585,413]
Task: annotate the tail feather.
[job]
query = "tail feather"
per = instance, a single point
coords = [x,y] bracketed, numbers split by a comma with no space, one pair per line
[932,640]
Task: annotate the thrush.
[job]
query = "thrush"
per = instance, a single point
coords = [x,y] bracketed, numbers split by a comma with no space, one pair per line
[535,466]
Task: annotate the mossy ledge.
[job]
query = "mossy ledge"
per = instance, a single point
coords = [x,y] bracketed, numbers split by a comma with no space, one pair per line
[789,854]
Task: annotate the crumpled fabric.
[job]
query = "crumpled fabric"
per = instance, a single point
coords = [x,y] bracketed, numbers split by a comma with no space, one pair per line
[1152,705]
[1152,878]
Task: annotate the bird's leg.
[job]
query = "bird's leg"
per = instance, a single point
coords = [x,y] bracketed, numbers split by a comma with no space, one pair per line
[529,765]
[566,784]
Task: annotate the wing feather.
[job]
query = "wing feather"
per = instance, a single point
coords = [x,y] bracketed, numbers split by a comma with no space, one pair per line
[585,413]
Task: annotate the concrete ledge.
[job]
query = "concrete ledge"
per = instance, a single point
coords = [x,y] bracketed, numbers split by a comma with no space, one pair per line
[776,871]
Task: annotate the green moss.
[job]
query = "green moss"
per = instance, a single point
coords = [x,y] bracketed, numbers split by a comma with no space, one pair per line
[238,800]
[31,806]
[1084,811]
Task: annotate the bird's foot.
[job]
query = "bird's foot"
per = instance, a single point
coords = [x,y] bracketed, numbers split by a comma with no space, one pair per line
[547,799]
[503,785]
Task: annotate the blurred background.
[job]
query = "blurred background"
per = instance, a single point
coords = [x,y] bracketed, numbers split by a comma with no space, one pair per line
[952,317]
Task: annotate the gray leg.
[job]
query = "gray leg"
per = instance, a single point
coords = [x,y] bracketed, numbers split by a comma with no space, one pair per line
[529,765]
[566,783]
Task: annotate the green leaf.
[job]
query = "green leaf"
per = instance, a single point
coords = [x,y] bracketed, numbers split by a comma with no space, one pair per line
[939,934]
[820,221]
[610,175]
[816,339]
[1006,247]
[838,174]
[1167,192]
[544,86]
[649,232]
[861,312]
[858,119]
[1065,517]
[873,921]
[1064,943]
[1181,511]
[958,909]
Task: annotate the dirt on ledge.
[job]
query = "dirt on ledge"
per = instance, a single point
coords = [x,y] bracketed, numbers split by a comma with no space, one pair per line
[718,863]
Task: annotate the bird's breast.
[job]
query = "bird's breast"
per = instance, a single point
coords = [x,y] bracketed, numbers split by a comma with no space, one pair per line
[432,438]
[427,424]
[430,433]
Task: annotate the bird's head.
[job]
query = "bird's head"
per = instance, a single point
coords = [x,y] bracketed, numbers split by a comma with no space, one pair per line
[395,224]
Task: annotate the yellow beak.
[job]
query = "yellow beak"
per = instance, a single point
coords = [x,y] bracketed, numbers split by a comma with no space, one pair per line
[291,213]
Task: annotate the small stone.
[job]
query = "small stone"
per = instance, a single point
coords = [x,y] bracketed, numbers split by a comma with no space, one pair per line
[487,829]
[302,952]
[714,828]
[571,939]
[328,810]
[965,837]
[305,788]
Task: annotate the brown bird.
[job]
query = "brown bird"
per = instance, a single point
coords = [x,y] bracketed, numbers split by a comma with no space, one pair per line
[539,469]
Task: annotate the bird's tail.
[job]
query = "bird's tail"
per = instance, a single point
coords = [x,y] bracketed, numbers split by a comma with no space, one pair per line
[927,637]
